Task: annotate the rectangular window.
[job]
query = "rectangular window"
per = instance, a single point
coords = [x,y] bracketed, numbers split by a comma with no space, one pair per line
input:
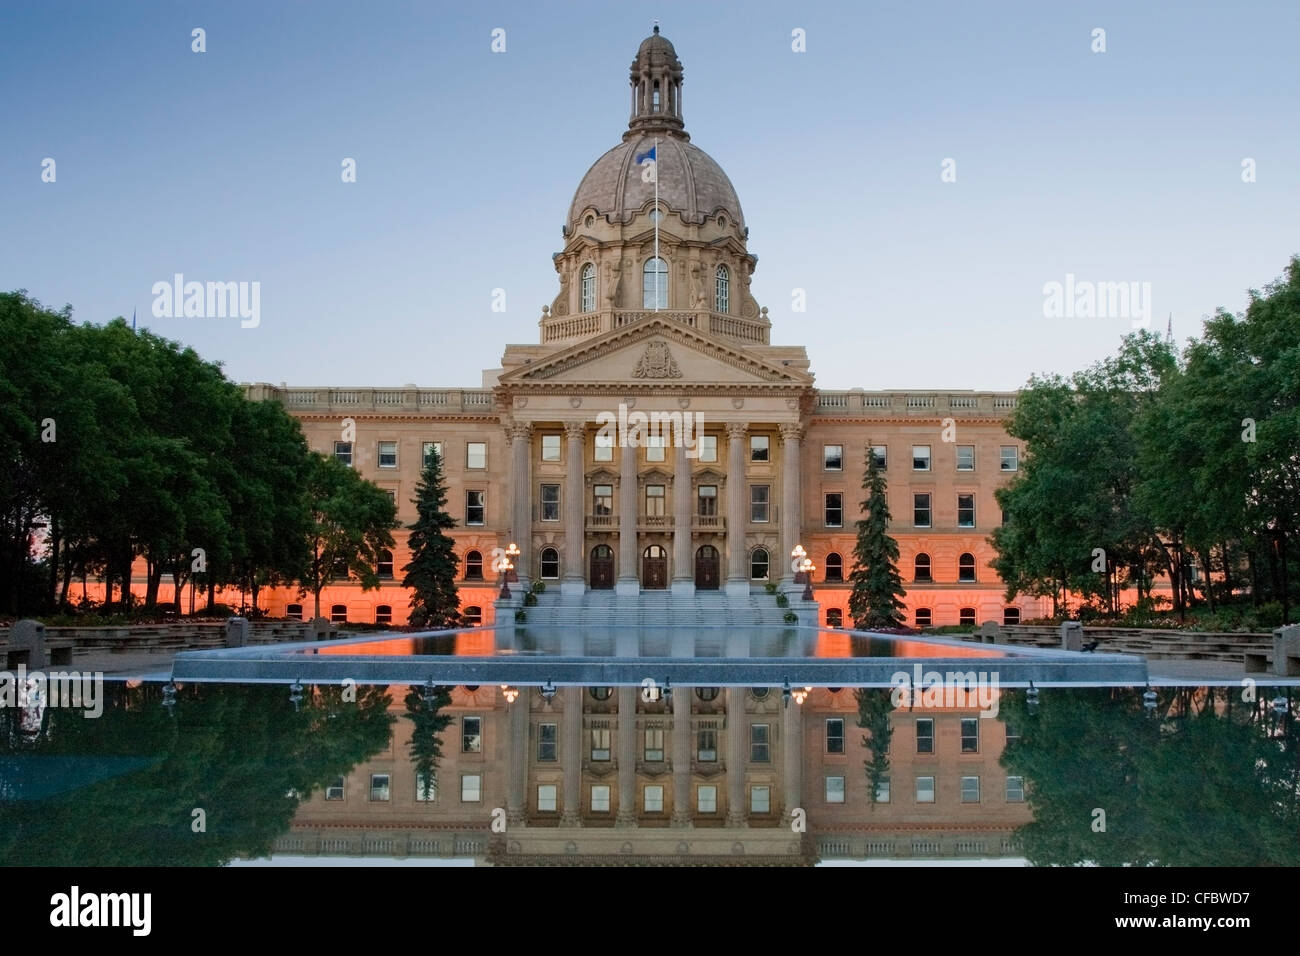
[759,503]
[758,448]
[604,447]
[471,787]
[379,786]
[654,501]
[476,454]
[388,454]
[920,457]
[654,744]
[965,511]
[426,788]
[833,457]
[707,745]
[427,450]
[546,798]
[834,509]
[834,789]
[602,500]
[547,742]
[882,790]
[471,735]
[760,743]
[965,457]
[600,798]
[600,737]
[1010,458]
[335,790]
[880,454]
[343,452]
[970,735]
[760,799]
[921,510]
[706,799]
[653,798]
[835,735]
[550,502]
[1015,789]
[925,735]
[708,447]
[925,789]
[708,500]
[1013,734]
[654,448]
[970,789]
[550,448]
[475,507]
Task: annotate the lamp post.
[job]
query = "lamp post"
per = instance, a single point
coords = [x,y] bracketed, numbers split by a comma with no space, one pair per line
[506,567]
[808,568]
[512,552]
[797,555]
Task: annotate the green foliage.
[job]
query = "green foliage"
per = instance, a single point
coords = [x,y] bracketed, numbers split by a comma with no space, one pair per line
[876,600]
[520,616]
[424,707]
[539,587]
[530,599]
[782,601]
[874,707]
[431,574]
[770,587]
[790,617]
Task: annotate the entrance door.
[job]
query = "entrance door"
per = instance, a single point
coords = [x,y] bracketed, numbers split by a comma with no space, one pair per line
[654,568]
[602,568]
[706,568]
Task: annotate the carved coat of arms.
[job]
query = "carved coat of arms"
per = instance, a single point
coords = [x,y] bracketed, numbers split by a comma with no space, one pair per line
[657,362]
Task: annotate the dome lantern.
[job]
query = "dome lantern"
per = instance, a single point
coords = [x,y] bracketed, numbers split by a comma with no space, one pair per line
[656,80]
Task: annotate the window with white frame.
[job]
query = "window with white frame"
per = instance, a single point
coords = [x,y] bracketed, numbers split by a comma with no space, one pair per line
[760,743]
[833,457]
[834,509]
[882,789]
[475,507]
[925,789]
[380,786]
[548,736]
[335,790]
[476,454]
[600,798]
[760,503]
[550,563]
[588,303]
[965,457]
[546,794]
[835,735]
[428,449]
[471,735]
[759,448]
[388,454]
[654,284]
[760,799]
[652,798]
[970,789]
[921,509]
[600,743]
[550,447]
[426,787]
[603,447]
[654,744]
[343,452]
[550,502]
[835,789]
[920,457]
[722,290]
[706,799]
[471,787]
[708,447]
[880,454]
[1015,789]
[654,448]
[966,511]
[1010,458]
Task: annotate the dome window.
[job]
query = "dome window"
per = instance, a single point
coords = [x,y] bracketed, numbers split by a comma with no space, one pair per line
[722,290]
[591,221]
[654,285]
[722,221]
[589,288]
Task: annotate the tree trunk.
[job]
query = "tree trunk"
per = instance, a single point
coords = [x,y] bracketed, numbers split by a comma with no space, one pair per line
[153,581]
[1209,583]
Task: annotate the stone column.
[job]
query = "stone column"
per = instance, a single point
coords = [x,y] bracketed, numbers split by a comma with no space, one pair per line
[575,549]
[792,760]
[737,805]
[517,779]
[521,498]
[790,501]
[737,518]
[627,581]
[571,757]
[683,576]
[626,816]
[682,742]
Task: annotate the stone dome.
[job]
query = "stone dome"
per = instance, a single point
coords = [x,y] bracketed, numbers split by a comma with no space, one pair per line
[690,183]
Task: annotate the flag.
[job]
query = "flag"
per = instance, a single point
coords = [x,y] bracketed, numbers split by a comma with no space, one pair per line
[649,164]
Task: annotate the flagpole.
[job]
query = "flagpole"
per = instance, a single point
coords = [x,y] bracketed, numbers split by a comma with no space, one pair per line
[657,215]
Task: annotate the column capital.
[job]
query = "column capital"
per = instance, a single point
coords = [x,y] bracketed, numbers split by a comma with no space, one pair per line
[791,431]
[737,430]
[519,430]
[575,429]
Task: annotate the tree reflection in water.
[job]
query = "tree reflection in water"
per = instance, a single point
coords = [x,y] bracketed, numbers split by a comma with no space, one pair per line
[1203,779]
[120,790]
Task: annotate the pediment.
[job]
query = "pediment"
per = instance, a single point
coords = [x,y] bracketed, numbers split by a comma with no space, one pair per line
[656,352]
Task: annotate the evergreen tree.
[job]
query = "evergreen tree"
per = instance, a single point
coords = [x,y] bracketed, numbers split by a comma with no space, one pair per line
[874,707]
[877,587]
[424,708]
[431,575]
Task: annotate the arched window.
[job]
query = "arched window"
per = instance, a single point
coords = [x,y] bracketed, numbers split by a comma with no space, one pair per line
[1011,615]
[472,616]
[722,290]
[294,611]
[834,617]
[656,96]
[550,563]
[966,567]
[384,614]
[922,568]
[966,616]
[600,693]
[758,564]
[385,567]
[473,566]
[339,613]
[706,693]
[924,617]
[834,567]
[589,288]
[654,285]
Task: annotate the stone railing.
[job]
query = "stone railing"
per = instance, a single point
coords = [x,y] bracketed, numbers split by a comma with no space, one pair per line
[343,401]
[856,401]
[563,328]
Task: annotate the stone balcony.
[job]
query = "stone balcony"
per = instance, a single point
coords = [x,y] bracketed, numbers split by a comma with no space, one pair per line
[572,328]
[858,403]
[343,401]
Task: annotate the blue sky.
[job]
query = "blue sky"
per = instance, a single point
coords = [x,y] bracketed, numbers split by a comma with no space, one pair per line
[1115,166]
